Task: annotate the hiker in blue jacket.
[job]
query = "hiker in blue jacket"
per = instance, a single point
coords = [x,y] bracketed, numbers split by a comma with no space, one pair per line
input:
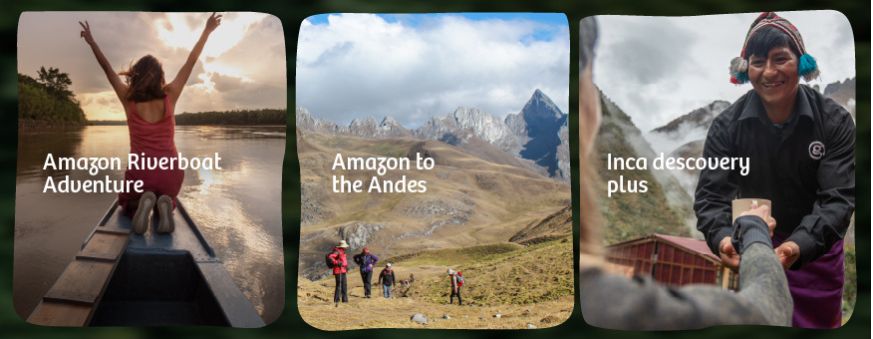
[366,261]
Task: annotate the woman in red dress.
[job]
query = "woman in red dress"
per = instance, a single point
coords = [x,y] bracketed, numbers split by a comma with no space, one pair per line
[148,104]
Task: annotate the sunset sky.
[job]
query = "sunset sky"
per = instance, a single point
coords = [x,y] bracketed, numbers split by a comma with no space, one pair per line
[242,65]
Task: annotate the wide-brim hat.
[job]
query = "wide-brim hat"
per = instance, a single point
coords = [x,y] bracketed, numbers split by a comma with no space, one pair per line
[343,244]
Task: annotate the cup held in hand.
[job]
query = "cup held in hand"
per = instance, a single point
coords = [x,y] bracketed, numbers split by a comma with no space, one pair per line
[738,206]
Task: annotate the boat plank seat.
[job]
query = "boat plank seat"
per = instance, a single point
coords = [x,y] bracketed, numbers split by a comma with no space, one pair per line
[81,282]
[104,246]
[75,295]
[50,313]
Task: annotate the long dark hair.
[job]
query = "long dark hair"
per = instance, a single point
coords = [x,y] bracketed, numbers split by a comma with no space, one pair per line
[145,80]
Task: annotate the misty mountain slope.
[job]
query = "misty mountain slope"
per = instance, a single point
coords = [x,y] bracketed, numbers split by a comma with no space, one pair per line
[469,201]
[632,215]
[683,137]
[688,178]
[686,128]
[843,92]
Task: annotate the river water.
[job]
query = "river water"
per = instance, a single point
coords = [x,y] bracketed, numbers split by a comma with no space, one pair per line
[239,206]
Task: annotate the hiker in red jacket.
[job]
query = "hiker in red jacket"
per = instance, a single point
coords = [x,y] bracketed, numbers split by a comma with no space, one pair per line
[457,280]
[337,261]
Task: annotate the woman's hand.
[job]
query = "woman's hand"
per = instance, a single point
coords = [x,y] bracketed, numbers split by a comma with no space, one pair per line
[212,23]
[86,32]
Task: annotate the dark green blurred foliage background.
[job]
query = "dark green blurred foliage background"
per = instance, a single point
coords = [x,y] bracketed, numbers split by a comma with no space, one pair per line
[292,13]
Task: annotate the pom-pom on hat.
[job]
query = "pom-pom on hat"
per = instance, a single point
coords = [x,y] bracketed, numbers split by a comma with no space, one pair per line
[807,67]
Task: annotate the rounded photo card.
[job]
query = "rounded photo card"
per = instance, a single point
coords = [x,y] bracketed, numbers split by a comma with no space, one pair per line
[435,171]
[718,170]
[150,154]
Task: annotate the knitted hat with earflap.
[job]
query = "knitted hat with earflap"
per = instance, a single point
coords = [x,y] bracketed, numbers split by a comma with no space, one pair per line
[806,67]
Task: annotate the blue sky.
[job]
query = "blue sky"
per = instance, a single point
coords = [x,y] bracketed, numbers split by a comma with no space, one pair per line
[414,19]
[416,66]
[553,22]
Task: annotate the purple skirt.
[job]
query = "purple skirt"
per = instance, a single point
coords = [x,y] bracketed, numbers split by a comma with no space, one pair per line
[817,289]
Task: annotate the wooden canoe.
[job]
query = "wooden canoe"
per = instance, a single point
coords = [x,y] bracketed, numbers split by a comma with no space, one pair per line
[122,279]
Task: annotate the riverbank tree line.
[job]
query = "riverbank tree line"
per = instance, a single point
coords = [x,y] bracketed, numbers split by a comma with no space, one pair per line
[47,99]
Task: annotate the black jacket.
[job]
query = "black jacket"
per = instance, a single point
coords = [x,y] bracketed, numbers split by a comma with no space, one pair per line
[806,168]
[386,277]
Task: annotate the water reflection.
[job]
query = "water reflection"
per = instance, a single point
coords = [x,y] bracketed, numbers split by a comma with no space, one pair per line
[238,207]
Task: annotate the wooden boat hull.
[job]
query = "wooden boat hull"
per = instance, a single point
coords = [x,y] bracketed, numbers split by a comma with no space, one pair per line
[122,279]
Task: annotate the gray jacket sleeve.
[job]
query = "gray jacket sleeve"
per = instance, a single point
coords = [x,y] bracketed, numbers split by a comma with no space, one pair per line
[616,302]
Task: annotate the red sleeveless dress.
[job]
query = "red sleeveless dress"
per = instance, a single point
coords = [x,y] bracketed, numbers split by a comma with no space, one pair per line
[154,140]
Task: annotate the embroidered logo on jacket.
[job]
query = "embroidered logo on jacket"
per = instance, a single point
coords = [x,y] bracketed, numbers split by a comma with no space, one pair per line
[816,150]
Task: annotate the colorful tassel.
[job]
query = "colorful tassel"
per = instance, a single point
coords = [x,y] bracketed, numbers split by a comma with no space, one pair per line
[742,77]
[807,67]
[738,70]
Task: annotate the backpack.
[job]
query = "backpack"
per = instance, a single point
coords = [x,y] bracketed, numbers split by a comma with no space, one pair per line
[328,260]
[459,278]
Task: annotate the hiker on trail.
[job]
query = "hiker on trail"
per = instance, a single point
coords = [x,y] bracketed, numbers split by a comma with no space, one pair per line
[457,280]
[366,261]
[386,279]
[336,260]
[801,145]
[613,301]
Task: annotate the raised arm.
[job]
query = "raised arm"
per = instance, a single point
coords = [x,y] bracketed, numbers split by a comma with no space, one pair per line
[175,87]
[117,85]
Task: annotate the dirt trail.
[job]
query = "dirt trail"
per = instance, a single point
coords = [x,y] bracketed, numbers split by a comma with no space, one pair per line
[315,304]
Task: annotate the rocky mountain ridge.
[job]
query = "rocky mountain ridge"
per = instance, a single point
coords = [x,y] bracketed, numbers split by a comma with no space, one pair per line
[538,133]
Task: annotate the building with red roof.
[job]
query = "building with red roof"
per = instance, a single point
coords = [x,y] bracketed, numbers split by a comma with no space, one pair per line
[671,260]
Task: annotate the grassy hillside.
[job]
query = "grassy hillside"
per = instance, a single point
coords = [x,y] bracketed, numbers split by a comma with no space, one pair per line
[525,284]
[526,275]
[469,201]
